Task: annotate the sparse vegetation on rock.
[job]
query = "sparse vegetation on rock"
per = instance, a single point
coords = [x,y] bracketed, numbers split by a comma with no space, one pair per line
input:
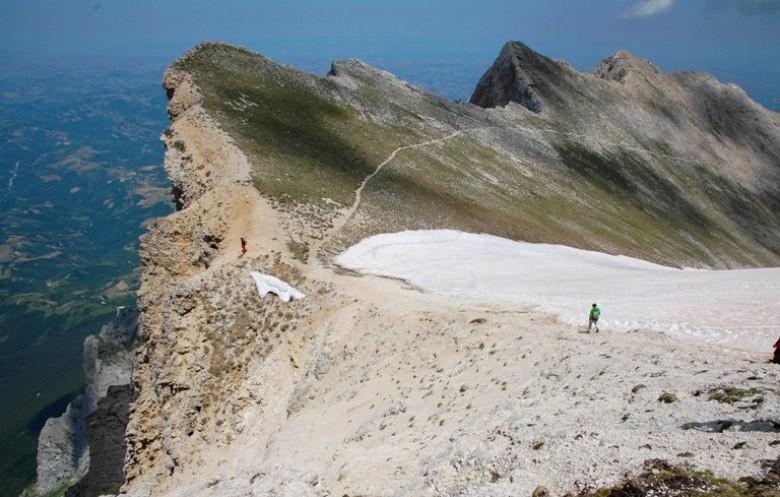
[661,479]
[731,395]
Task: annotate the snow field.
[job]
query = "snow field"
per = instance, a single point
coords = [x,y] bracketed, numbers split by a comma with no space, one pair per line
[739,308]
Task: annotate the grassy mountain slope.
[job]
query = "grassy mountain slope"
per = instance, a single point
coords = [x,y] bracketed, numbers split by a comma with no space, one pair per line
[677,169]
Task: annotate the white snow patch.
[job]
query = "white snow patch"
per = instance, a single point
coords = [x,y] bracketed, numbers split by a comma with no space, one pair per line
[271,284]
[740,308]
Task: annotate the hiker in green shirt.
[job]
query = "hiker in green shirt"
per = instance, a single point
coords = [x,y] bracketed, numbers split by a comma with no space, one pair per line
[593,317]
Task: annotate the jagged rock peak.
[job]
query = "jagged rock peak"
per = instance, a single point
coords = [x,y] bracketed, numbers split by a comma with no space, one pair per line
[509,79]
[616,67]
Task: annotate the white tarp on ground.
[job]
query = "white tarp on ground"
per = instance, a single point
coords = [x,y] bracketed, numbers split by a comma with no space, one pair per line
[271,284]
[736,307]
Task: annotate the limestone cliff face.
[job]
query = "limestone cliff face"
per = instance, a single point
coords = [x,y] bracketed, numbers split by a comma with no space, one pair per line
[105,438]
[84,448]
[61,451]
[201,322]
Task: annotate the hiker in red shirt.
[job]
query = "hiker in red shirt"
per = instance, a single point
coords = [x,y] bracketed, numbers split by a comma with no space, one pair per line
[243,245]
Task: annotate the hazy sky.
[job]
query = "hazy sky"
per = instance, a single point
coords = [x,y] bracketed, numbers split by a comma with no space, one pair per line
[737,40]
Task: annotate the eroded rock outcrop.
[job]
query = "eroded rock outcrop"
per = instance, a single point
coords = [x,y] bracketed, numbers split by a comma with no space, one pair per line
[85,446]
[508,80]
[105,432]
[61,445]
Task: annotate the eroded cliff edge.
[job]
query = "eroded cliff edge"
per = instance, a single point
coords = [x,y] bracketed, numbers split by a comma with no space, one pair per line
[82,452]
[365,387]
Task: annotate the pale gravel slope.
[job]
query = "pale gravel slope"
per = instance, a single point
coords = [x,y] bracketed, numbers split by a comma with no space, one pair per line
[390,392]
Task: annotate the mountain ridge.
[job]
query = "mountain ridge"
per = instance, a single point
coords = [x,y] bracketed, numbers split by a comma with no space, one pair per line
[604,136]
[238,395]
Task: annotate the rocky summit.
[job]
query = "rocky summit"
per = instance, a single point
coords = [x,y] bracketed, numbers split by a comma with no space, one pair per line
[368,386]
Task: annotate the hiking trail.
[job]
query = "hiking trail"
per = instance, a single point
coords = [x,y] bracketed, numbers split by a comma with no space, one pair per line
[344,218]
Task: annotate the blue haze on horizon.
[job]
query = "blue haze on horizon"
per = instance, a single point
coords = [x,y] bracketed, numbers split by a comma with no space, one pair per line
[736,40]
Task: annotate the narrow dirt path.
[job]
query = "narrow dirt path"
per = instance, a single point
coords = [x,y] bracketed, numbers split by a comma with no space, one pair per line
[344,218]
[359,192]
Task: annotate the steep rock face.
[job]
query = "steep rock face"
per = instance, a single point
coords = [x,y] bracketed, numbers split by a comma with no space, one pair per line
[201,319]
[507,81]
[61,444]
[105,429]
[70,447]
